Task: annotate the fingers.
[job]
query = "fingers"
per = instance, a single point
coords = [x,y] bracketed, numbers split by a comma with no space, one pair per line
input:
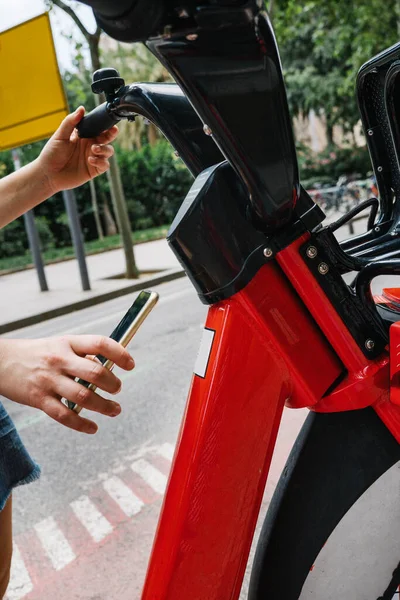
[102,151]
[105,346]
[107,136]
[68,124]
[94,372]
[100,164]
[86,398]
[60,413]
[101,155]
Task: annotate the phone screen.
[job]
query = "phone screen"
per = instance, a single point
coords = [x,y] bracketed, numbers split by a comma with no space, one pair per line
[124,325]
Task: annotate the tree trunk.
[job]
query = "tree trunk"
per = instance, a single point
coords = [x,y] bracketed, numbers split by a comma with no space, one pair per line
[111,227]
[397,9]
[152,134]
[271,9]
[94,52]
[117,194]
[95,207]
[114,179]
[329,135]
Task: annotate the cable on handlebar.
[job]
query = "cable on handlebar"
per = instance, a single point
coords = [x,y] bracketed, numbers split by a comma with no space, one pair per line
[373,202]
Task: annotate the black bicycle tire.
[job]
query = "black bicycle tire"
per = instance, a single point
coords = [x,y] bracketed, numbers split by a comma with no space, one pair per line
[335,459]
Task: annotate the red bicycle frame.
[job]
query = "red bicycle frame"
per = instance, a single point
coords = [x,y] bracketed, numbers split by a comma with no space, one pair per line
[260,359]
[283,328]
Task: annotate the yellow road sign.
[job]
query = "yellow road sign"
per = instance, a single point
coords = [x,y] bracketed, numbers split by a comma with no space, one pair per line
[32,97]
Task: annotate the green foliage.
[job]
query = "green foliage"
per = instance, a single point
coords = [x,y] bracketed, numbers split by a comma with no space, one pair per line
[323,44]
[13,240]
[78,90]
[47,240]
[155,183]
[328,166]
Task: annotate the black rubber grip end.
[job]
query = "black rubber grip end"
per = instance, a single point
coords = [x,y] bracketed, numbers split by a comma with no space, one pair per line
[97,121]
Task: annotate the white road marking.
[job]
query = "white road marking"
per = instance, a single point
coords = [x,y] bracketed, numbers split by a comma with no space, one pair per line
[129,503]
[54,543]
[166,451]
[20,583]
[152,476]
[91,518]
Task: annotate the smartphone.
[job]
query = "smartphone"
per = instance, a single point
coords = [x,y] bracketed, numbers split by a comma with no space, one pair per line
[123,333]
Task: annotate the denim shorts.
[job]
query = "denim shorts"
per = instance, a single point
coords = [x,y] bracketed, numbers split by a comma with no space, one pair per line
[16,466]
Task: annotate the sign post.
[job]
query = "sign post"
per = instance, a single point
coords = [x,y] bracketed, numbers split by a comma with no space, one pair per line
[32,233]
[32,105]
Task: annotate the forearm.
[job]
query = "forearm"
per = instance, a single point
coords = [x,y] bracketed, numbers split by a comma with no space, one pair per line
[21,191]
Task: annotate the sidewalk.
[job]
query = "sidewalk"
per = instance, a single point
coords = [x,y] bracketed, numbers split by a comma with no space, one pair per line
[22,303]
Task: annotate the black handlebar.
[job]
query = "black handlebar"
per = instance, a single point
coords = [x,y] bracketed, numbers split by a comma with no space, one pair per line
[98,120]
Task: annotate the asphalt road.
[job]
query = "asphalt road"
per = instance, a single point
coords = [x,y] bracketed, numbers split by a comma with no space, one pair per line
[64,550]
[152,397]
[84,531]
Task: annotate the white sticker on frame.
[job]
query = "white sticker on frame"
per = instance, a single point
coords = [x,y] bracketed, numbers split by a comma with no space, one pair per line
[203,355]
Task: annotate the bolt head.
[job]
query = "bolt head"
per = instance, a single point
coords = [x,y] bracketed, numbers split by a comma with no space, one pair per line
[377,229]
[370,132]
[267,252]
[311,252]
[370,344]
[207,130]
[192,37]
[323,268]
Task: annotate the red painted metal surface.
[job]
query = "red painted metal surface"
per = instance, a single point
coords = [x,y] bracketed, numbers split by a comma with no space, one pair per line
[392,295]
[358,390]
[319,306]
[366,382]
[257,360]
[395,363]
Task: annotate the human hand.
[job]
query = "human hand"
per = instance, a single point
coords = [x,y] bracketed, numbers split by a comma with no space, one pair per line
[68,161]
[40,372]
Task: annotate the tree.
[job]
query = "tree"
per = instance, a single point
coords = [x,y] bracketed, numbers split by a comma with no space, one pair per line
[323,44]
[117,195]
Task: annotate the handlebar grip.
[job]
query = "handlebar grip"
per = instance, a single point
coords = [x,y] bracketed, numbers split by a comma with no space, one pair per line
[97,121]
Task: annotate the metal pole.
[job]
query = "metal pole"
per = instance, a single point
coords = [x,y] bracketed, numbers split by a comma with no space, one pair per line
[77,237]
[32,233]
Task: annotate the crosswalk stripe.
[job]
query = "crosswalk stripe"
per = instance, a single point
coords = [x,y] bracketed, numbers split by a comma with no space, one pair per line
[166,451]
[152,476]
[128,502]
[91,518]
[20,583]
[54,543]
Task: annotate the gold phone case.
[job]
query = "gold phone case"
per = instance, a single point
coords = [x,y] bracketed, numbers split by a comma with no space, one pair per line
[123,334]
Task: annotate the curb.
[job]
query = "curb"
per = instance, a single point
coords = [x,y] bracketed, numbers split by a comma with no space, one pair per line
[92,301]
